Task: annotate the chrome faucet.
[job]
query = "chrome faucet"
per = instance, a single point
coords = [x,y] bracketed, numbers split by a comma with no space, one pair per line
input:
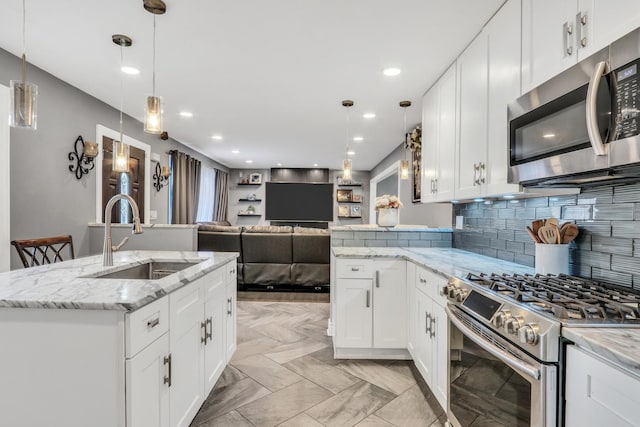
[108,250]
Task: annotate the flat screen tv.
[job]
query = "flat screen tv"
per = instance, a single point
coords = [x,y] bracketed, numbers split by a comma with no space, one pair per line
[298,201]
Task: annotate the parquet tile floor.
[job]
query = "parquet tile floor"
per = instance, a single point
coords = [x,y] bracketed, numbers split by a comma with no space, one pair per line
[284,374]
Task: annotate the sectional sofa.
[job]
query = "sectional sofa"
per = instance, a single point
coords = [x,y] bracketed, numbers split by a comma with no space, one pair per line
[273,257]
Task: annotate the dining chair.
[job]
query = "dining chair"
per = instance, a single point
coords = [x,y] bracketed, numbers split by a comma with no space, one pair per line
[46,250]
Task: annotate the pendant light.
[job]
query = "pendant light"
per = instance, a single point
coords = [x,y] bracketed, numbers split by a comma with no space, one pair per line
[404,164]
[120,153]
[24,96]
[347,165]
[153,107]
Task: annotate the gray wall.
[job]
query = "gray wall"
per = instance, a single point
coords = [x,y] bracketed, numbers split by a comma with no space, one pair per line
[607,248]
[432,214]
[47,199]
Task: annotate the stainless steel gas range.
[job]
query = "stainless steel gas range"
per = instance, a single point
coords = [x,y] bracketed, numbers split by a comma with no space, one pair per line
[505,346]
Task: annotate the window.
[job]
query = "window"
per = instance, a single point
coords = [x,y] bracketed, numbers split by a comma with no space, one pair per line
[206,198]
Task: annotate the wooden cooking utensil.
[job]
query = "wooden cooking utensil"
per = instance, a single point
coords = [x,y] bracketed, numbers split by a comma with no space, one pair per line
[535,225]
[570,233]
[548,234]
[563,229]
[533,235]
[554,222]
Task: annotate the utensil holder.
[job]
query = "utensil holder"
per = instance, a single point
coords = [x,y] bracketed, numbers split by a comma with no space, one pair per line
[552,259]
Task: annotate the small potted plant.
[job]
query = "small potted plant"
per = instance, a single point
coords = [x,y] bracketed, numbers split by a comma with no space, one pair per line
[387,207]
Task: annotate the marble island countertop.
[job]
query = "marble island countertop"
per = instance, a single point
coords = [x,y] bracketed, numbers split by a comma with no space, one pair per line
[69,285]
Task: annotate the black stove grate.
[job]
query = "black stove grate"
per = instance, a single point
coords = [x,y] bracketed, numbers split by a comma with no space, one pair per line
[566,297]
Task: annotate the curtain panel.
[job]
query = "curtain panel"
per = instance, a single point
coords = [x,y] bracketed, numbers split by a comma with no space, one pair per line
[221,206]
[185,188]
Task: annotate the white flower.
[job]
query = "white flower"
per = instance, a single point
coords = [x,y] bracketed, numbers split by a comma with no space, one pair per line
[387,201]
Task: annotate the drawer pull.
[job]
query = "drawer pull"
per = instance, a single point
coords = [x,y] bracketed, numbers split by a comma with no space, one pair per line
[230,305]
[355,269]
[209,334]
[368,299]
[167,379]
[153,323]
[377,278]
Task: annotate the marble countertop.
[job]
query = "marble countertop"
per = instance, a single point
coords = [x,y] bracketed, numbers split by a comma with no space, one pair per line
[619,346]
[70,285]
[399,227]
[448,262]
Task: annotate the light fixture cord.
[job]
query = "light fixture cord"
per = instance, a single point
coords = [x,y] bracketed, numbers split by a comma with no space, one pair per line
[154,55]
[121,91]
[24,41]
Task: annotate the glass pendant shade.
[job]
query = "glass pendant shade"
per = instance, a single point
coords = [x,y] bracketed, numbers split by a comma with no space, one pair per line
[90,149]
[120,157]
[346,169]
[404,169]
[24,102]
[153,115]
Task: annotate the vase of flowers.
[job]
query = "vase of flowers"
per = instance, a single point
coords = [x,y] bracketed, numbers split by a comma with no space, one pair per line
[387,207]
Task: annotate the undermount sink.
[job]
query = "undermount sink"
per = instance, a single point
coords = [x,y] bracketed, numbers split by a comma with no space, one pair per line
[152,270]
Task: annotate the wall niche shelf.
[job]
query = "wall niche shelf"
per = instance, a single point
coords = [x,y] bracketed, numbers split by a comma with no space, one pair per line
[250,200]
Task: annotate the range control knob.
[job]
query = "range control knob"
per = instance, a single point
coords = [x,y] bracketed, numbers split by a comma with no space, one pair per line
[514,324]
[501,318]
[453,291]
[528,334]
[462,294]
[446,290]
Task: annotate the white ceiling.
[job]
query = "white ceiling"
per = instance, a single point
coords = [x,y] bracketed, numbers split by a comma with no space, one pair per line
[268,76]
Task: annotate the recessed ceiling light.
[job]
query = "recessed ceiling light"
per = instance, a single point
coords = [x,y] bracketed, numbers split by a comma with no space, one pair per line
[549,135]
[351,153]
[217,137]
[130,70]
[358,138]
[315,165]
[279,164]
[248,161]
[391,72]
[369,115]
[186,114]
[235,151]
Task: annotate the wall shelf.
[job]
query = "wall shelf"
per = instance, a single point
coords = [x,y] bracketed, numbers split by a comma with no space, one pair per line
[250,200]
[349,185]
[358,203]
[249,214]
[250,183]
[350,217]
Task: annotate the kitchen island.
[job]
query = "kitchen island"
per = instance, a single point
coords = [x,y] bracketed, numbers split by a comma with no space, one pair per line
[85,345]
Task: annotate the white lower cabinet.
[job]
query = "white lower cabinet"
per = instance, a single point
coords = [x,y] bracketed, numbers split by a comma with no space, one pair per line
[215,325]
[147,386]
[598,394]
[230,312]
[370,306]
[431,326]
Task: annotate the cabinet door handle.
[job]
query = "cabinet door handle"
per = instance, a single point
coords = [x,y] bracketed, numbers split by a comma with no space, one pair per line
[230,305]
[167,379]
[377,278]
[435,185]
[203,326]
[355,269]
[426,323]
[368,298]
[432,327]
[483,172]
[153,323]
[209,334]
[567,30]
[581,24]
[475,174]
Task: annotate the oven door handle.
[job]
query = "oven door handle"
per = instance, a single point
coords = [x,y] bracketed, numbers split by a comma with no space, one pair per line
[502,355]
[592,109]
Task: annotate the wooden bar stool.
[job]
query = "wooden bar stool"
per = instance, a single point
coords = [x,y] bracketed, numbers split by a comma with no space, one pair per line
[43,251]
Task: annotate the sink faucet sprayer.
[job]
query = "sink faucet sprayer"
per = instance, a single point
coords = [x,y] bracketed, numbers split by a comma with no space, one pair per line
[107,251]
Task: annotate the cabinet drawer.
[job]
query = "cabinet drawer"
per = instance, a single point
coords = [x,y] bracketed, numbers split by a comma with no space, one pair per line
[354,268]
[232,271]
[145,325]
[431,284]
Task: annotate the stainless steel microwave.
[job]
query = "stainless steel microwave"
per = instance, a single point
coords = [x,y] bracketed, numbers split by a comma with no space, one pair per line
[581,127]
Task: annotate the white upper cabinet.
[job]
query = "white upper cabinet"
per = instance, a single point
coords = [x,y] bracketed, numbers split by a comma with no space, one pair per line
[439,138]
[556,34]
[503,34]
[472,118]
